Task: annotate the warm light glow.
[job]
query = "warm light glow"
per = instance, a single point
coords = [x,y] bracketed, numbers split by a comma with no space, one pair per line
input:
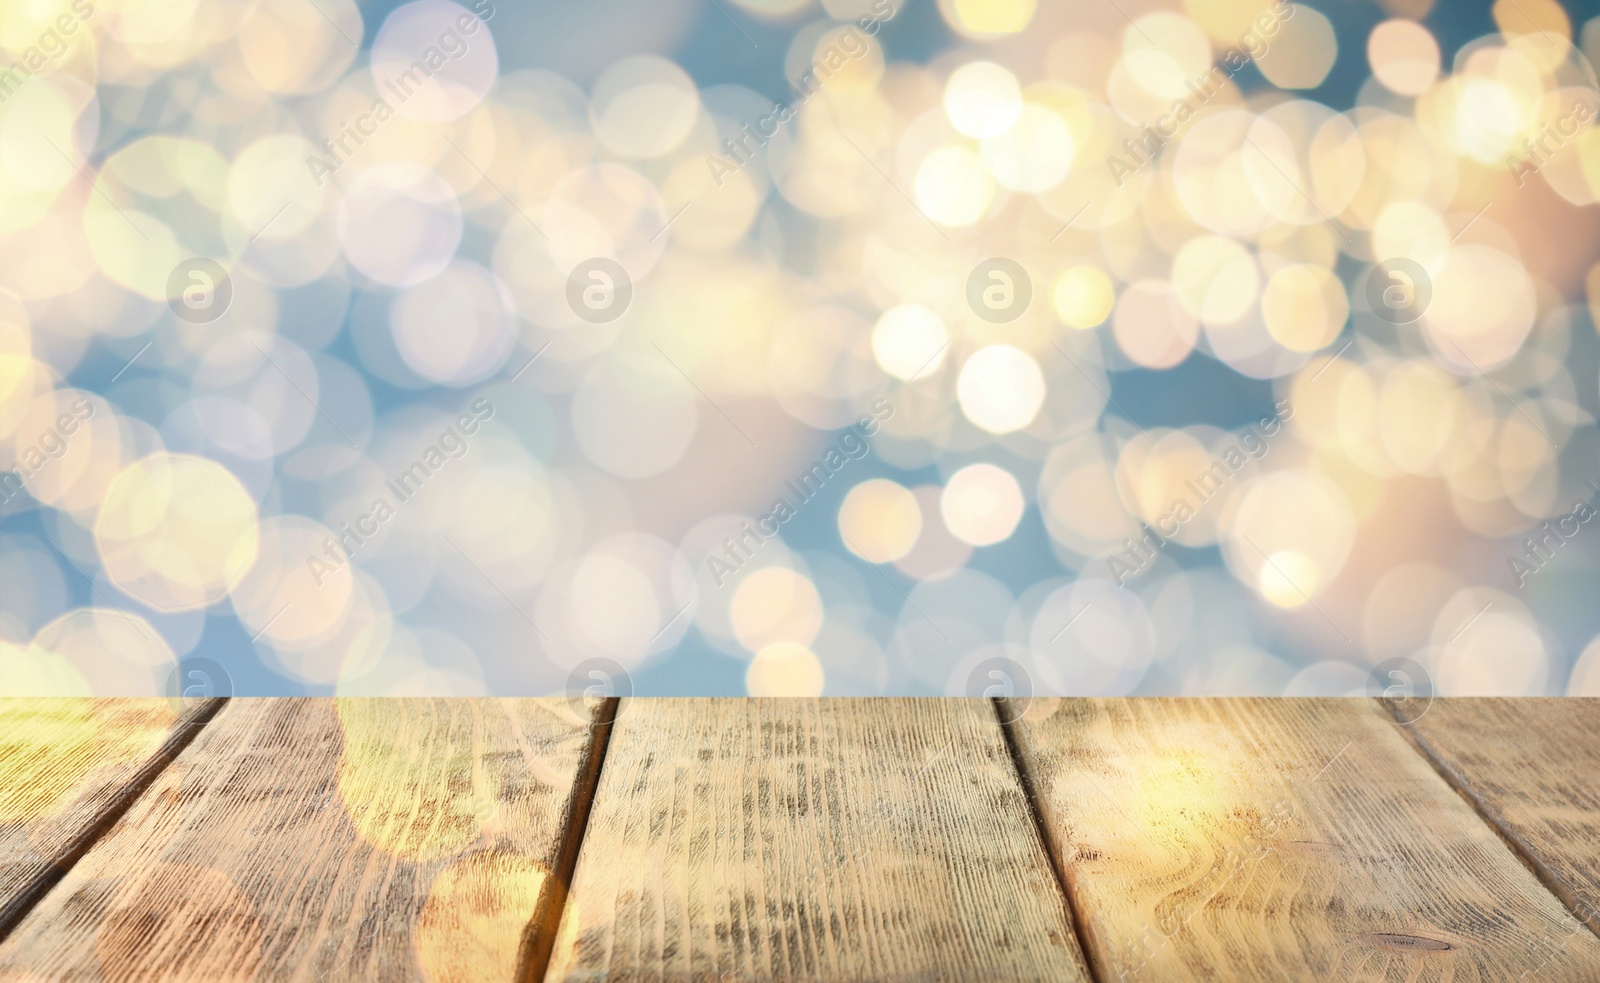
[1034,154]
[430,347]
[1288,578]
[177,532]
[1304,307]
[376,753]
[880,520]
[990,17]
[644,106]
[1001,388]
[1404,56]
[982,99]
[982,504]
[953,186]
[784,669]
[775,604]
[1083,297]
[472,922]
[1302,51]
[909,341]
[1488,119]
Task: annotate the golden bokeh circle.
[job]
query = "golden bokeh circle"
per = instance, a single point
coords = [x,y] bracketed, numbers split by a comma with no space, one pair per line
[177,531]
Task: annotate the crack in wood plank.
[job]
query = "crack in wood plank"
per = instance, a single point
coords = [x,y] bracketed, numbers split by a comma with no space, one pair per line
[315,839]
[1007,719]
[789,839]
[1282,840]
[20,902]
[539,938]
[1538,858]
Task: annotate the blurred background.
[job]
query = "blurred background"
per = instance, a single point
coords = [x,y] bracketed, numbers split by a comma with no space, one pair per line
[789,347]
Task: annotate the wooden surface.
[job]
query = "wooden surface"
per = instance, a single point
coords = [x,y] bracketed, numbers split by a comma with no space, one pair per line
[1532,768]
[710,840]
[813,839]
[321,839]
[1280,840]
[70,766]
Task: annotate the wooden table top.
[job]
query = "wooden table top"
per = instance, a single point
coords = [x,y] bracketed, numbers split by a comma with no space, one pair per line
[740,839]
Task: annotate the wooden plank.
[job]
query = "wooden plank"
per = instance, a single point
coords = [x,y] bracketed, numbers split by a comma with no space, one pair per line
[1281,840]
[1530,767]
[69,767]
[812,839]
[312,839]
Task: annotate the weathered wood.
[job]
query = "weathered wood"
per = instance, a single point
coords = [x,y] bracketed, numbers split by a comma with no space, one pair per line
[1531,767]
[68,767]
[1281,840]
[812,839]
[322,839]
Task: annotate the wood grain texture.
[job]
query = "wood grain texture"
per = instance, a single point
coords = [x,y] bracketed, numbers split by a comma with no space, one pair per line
[834,839]
[1281,840]
[67,766]
[1532,767]
[317,839]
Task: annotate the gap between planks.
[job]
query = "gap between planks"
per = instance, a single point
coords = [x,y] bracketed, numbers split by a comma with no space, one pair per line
[539,936]
[1028,779]
[540,933]
[184,731]
[1516,844]
[538,939]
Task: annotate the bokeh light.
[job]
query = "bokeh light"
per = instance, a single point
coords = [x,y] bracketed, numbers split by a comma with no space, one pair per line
[407,350]
[982,504]
[177,532]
